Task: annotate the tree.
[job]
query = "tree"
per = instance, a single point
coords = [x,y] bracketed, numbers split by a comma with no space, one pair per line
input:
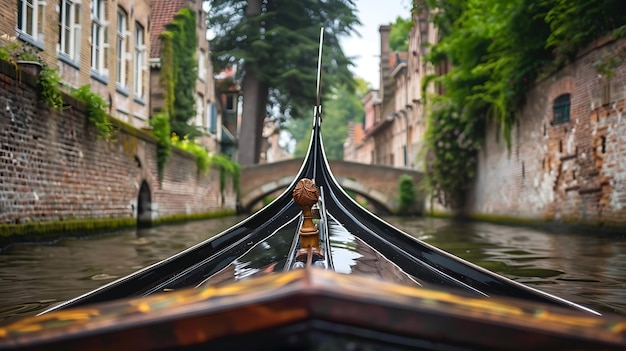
[276,44]
[341,105]
[399,34]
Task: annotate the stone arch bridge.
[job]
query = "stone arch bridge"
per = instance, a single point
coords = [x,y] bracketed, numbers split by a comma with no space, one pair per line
[378,184]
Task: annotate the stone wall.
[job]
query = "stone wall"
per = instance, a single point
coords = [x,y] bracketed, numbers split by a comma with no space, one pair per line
[53,167]
[571,172]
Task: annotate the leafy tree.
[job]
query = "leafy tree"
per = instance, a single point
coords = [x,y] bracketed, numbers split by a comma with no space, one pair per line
[340,106]
[276,44]
[399,34]
[180,71]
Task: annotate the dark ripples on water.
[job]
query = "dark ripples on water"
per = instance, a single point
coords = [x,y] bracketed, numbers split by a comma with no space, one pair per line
[586,268]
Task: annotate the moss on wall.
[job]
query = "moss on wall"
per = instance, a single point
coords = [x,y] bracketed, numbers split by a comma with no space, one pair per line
[53,230]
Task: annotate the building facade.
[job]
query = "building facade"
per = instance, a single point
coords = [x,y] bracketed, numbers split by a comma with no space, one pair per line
[208,107]
[394,115]
[91,42]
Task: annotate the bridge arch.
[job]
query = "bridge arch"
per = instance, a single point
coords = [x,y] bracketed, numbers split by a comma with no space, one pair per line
[378,184]
[380,200]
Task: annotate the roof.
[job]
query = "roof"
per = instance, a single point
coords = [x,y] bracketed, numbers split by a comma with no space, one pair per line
[358,133]
[161,13]
[396,58]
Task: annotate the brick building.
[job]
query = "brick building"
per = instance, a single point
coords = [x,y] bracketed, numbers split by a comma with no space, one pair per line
[208,108]
[566,162]
[91,42]
[394,115]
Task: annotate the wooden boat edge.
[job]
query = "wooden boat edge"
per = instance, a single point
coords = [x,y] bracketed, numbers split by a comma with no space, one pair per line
[198,316]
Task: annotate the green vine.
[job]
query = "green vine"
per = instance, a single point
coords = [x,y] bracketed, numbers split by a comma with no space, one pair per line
[160,123]
[179,67]
[227,167]
[497,50]
[407,196]
[50,83]
[95,111]
[192,146]
[49,80]
[204,161]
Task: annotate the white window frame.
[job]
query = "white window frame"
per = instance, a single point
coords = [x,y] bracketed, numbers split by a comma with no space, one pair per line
[120,48]
[70,29]
[34,31]
[202,65]
[99,46]
[199,110]
[139,61]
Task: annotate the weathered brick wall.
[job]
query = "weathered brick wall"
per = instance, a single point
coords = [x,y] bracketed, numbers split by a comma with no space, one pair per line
[53,167]
[8,20]
[573,171]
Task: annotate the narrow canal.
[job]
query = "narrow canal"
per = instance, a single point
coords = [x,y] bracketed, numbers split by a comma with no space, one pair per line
[586,268]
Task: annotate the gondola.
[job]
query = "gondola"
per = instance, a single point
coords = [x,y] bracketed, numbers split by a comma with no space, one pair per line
[284,278]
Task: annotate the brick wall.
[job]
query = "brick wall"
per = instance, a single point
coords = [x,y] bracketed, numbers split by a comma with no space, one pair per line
[53,167]
[573,171]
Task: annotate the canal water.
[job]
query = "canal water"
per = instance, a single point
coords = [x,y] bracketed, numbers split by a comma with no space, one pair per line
[587,268]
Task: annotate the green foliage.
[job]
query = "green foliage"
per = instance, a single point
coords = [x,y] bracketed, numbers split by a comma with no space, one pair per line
[160,123]
[280,45]
[575,23]
[50,83]
[192,146]
[399,34]
[340,106]
[96,111]
[407,196]
[49,79]
[497,49]
[228,168]
[20,51]
[179,66]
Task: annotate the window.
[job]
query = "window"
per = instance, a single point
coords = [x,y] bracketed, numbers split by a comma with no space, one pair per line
[30,18]
[69,24]
[202,65]
[211,111]
[139,61]
[99,45]
[120,48]
[560,109]
[230,102]
[199,110]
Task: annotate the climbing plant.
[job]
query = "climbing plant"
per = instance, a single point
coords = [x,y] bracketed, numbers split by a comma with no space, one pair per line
[160,123]
[96,111]
[497,50]
[228,168]
[49,80]
[192,146]
[407,197]
[179,67]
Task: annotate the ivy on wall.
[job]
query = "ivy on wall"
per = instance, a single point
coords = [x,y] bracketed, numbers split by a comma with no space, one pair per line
[497,50]
[179,71]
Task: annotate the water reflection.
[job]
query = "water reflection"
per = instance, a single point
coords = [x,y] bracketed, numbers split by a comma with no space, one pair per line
[586,268]
[35,276]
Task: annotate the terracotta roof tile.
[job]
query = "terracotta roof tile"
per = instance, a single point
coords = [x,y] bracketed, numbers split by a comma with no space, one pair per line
[359,134]
[162,12]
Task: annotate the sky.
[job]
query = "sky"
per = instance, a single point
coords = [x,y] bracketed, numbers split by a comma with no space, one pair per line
[365,49]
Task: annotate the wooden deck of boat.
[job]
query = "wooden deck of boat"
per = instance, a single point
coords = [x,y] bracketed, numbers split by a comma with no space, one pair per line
[284,310]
